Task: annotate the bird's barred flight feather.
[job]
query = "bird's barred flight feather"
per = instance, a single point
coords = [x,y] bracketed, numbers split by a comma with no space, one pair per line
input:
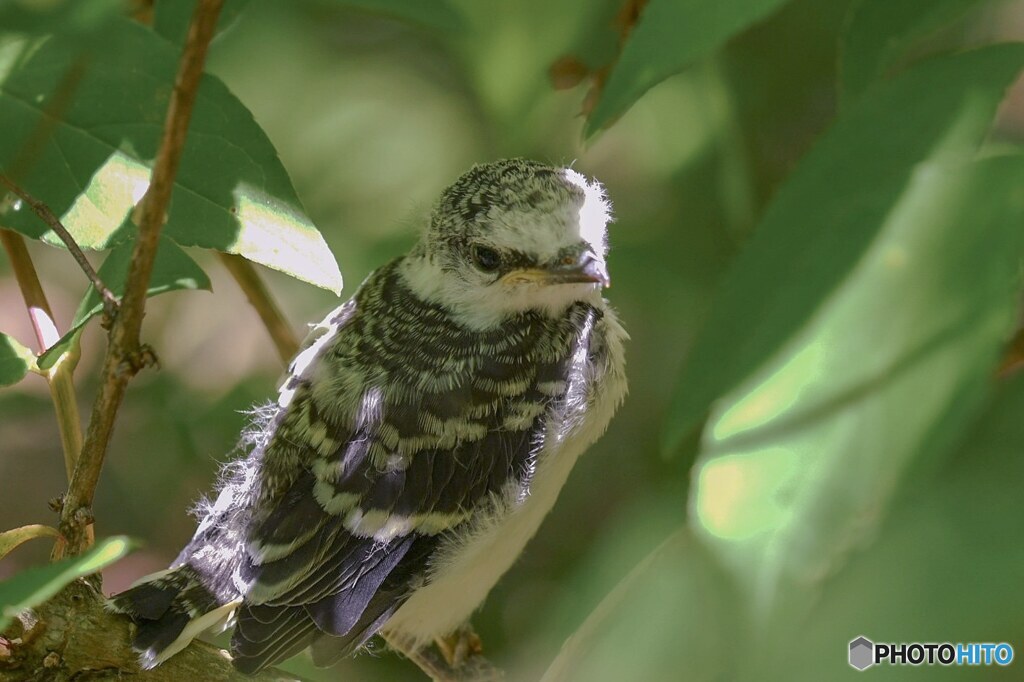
[410,438]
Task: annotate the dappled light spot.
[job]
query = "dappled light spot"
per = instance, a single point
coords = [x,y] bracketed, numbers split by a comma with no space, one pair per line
[739,495]
[774,396]
[107,199]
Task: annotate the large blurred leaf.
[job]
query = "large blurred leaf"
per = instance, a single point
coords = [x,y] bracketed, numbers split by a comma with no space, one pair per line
[669,36]
[801,460]
[36,585]
[231,194]
[81,21]
[171,18]
[945,567]
[173,270]
[671,618]
[829,211]
[15,361]
[881,32]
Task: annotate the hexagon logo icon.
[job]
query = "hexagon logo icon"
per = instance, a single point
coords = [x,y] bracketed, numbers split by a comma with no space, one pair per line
[862,652]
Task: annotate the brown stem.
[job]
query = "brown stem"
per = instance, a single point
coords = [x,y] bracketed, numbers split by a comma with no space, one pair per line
[39,312]
[59,377]
[1013,357]
[48,217]
[125,356]
[266,307]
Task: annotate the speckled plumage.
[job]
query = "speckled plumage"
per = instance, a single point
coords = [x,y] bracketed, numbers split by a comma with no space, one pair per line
[420,437]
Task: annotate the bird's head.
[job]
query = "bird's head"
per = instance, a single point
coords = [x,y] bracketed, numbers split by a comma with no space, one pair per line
[510,236]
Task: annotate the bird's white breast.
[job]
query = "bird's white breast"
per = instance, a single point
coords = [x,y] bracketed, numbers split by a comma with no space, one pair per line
[469,564]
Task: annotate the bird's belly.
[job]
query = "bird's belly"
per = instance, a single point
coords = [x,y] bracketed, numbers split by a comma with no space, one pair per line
[470,564]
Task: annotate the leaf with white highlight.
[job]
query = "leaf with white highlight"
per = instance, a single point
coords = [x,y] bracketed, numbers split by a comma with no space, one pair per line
[231,192]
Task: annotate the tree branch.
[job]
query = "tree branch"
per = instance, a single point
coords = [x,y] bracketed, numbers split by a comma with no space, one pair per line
[72,637]
[260,298]
[125,356]
[48,217]
[442,663]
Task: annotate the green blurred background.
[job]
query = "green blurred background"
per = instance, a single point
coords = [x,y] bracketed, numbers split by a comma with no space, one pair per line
[373,117]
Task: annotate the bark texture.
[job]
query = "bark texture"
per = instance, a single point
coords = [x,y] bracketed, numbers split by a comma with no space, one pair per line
[72,638]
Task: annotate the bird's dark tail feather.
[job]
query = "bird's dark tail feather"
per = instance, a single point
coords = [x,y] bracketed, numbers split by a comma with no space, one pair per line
[328,649]
[170,608]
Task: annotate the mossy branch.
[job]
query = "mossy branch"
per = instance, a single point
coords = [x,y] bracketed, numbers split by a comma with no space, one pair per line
[73,637]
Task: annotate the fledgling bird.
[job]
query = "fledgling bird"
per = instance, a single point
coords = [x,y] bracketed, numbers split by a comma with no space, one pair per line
[419,439]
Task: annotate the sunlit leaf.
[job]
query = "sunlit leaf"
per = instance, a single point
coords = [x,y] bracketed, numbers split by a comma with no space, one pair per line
[10,539]
[672,613]
[669,36]
[827,214]
[15,361]
[35,585]
[880,32]
[231,193]
[801,460]
[948,535]
[439,15]
[173,270]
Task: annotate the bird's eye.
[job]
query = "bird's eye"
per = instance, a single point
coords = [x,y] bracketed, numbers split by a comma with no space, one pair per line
[487,259]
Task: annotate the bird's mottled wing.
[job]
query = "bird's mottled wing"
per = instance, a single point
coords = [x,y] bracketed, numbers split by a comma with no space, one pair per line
[405,426]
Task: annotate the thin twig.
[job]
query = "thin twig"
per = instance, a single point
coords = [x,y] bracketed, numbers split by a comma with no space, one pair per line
[259,296]
[125,356]
[50,218]
[65,404]
[59,377]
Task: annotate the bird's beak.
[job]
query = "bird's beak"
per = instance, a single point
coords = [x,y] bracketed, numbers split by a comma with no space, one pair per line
[585,268]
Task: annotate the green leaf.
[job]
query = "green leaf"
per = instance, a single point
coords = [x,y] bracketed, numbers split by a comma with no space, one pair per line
[673,612]
[231,191]
[81,21]
[173,270]
[10,539]
[825,217]
[437,15]
[36,585]
[669,36]
[948,535]
[880,32]
[801,461]
[171,18]
[15,361]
